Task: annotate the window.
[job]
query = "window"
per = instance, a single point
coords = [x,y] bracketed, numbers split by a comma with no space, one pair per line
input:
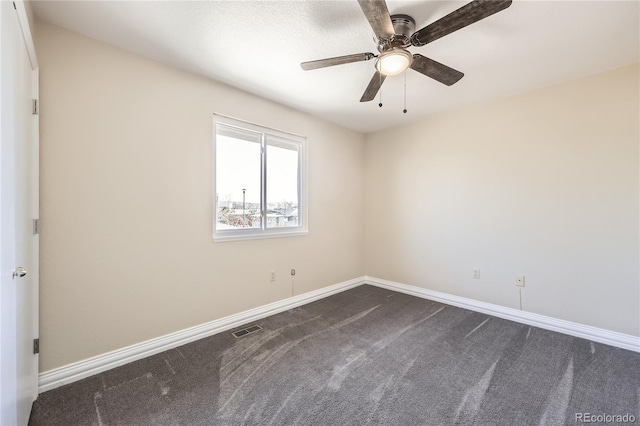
[259,181]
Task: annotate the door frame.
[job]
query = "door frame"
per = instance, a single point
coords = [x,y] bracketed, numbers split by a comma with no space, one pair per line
[27,34]
[24,12]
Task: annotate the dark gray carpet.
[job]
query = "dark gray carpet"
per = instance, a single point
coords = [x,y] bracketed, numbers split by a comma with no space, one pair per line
[364,356]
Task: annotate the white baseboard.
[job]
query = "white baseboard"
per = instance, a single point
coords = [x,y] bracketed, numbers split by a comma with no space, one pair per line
[620,340]
[79,370]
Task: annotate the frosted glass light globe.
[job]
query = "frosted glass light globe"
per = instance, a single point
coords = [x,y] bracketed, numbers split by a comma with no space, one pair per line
[393,62]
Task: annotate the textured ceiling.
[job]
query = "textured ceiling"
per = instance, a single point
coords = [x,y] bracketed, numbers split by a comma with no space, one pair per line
[257,46]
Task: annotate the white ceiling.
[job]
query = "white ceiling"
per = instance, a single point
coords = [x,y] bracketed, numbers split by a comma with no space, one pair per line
[257,46]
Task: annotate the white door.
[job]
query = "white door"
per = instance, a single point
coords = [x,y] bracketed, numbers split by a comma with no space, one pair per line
[18,208]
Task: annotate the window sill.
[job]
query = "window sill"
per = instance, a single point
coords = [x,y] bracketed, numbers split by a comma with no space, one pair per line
[226,237]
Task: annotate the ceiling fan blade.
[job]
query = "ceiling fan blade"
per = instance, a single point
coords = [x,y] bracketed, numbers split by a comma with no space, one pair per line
[435,70]
[378,16]
[338,60]
[373,87]
[466,15]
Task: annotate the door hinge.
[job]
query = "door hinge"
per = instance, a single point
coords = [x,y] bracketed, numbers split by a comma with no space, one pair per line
[34,111]
[36,346]
[36,226]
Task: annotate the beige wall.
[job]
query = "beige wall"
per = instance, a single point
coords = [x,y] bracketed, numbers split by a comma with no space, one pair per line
[543,184]
[126,202]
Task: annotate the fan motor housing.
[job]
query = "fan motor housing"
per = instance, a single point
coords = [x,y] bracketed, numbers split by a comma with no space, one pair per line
[404,26]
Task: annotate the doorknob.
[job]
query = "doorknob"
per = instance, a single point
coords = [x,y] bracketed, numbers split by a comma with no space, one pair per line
[19,272]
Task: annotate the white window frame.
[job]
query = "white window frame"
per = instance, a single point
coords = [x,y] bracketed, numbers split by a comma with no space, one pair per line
[264,232]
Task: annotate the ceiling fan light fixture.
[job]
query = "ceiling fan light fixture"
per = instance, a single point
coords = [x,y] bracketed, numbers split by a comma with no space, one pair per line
[393,62]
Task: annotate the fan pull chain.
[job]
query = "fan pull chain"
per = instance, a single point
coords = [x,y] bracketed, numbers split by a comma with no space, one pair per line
[405,93]
[380,90]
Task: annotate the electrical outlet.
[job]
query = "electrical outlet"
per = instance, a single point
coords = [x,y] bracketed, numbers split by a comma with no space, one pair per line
[476,274]
[520,280]
[273,275]
[293,272]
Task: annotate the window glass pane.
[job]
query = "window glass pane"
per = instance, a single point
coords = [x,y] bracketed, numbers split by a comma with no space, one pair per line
[238,164]
[282,184]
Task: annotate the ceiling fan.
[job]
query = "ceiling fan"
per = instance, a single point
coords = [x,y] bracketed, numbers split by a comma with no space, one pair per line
[395,34]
